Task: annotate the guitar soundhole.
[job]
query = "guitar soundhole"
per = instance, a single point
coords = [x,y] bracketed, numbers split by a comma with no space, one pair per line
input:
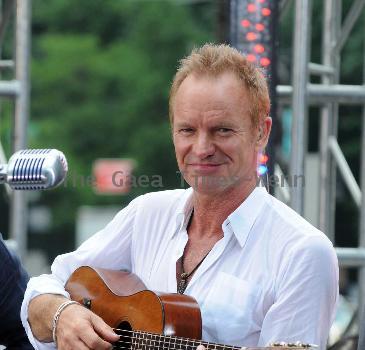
[125,341]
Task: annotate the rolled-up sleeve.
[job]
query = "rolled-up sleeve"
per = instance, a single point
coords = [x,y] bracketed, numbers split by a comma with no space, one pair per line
[109,248]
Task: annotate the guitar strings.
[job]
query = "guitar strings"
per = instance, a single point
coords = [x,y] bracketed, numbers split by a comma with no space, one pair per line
[127,341]
[156,343]
[172,342]
[121,345]
[146,346]
[184,346]
[142,346]
[138,335]
[141,333]
[153,341]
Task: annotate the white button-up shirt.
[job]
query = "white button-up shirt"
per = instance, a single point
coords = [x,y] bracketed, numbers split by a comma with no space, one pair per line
[272,277]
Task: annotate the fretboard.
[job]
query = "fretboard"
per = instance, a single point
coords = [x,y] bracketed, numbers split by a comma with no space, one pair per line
[137,340]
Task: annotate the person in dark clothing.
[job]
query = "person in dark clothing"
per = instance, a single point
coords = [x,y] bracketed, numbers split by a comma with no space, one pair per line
[13,282]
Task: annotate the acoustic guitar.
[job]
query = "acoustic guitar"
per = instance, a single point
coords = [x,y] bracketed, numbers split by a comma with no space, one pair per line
[145,320]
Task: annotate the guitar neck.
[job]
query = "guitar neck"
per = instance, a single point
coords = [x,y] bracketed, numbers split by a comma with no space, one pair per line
[137,340]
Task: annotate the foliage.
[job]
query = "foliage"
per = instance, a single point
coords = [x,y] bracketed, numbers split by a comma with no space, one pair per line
[101,71]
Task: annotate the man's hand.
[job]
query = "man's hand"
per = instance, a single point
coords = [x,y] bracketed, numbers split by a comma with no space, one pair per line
[77,327]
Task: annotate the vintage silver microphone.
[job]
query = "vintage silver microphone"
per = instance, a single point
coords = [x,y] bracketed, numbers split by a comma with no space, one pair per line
[34,169]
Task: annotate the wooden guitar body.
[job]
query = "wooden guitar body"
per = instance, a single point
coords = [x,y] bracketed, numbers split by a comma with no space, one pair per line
[122,300]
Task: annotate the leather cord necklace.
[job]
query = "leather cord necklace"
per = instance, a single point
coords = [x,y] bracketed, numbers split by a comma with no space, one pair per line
[184,276]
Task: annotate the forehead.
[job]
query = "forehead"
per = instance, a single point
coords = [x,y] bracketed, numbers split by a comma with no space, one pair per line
[207,94]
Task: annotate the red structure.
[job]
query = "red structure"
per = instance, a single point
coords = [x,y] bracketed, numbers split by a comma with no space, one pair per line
[252,30]
[253,26]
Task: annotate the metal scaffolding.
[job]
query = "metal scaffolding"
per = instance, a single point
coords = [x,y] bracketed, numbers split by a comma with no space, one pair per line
[18,90]
[327,95]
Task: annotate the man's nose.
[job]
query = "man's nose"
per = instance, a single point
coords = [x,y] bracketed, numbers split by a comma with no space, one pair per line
[203,146]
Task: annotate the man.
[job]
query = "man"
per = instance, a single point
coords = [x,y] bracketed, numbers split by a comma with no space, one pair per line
[259,272]
[13,281]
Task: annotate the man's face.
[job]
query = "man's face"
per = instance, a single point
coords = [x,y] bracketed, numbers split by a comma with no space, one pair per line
[215,143]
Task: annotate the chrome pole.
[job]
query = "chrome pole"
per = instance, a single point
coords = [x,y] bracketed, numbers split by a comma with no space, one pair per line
[301,54]
[18,208]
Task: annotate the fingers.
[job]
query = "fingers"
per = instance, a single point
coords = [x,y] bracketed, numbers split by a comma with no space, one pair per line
[200,347]
[86,339]
[79,328]
[93,341]
[67,340]
[103,329]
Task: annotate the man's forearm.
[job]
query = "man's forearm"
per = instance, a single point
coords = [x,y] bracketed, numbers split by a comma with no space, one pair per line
[40,315]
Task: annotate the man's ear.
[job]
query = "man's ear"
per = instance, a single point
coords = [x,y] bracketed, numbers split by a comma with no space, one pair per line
[263,133]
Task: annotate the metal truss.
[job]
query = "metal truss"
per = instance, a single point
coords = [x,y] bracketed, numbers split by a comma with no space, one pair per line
[327,95]
[17,89]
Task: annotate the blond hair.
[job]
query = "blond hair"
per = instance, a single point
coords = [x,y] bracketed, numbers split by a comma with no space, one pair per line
[217,59]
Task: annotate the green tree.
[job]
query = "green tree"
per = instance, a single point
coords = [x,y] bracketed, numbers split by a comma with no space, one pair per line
[101,71]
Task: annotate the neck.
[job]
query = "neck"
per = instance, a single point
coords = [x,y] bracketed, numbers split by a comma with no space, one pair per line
[211,209]
[135,340]
[151,341]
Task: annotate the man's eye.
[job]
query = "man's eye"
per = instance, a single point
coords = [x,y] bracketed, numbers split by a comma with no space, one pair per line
[186,131]
[224,130]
